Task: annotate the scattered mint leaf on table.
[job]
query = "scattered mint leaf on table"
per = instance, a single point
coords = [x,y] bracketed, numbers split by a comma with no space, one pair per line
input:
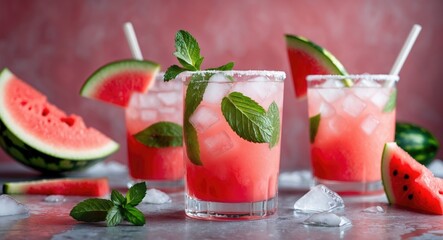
[112,211]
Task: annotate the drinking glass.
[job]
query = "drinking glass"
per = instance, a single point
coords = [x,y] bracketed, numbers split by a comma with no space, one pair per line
[351,118]
[232,127]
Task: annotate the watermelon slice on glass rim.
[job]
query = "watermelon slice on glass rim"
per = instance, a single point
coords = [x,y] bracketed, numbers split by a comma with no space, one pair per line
[408,183]
[116,81]
[307,58]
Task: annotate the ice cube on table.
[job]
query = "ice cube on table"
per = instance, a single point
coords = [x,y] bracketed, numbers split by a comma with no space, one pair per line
[327,220]
[217,88]
[10,206]
[203,118]
[156,196]
[219,143]
[319,199]
[374,209]
[55,199]
[353,106]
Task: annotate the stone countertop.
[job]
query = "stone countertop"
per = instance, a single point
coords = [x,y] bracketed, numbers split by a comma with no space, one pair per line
[168,221]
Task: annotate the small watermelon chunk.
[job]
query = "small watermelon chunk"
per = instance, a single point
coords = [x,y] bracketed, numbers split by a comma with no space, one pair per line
[115,82]
[307,58]
[95,187]
[409,184]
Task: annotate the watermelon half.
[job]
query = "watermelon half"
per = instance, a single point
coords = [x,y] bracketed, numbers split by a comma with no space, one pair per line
[115,82]
[39,135]
[409,184]
[95,187]
[307,58]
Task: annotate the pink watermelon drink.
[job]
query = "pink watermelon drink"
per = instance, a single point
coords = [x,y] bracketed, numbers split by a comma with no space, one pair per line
[351,118]
[154,135]
[232,125]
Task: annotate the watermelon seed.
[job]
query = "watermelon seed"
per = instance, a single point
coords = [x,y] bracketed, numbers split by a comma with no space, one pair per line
[45,112]
[23,103]
[395,172]
[406,176]
[410,196]
[405,188]
[69,121]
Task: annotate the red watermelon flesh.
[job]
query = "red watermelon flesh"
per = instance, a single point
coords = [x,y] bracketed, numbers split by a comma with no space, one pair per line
[115,82]
[409,184]
[307,58]
[28,114]
[95,187]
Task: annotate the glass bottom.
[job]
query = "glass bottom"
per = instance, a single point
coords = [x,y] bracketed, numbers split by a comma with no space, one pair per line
[163,185]
[352,188]
[220,211]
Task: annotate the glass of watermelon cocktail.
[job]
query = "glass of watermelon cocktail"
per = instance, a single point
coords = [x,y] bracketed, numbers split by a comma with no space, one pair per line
[232,131]
[351,118]
[154,136]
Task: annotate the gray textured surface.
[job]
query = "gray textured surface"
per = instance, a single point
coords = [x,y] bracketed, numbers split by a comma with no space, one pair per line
[168,221]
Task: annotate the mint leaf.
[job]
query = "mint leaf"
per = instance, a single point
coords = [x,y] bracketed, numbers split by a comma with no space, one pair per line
[172,72]
[135,194]
[187,50]
[194,96]
[91,210]
[134,215]
[161,135]
[274,116]
[114,217]
[314,122]
[247,118]
[226,67]
[390,105]
[117,198]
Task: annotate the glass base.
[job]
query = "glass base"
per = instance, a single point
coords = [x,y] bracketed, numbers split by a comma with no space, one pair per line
[352,188]
[163,185]
[199,209]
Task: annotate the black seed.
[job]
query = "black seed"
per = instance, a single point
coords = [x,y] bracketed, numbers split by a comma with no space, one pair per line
[406,176]
[410,196]
[405,188]
[395,172]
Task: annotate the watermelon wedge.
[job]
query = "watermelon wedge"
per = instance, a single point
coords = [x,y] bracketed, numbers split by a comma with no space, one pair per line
[115,82]
[95,187]
[307,58]
[39,135]
[408,183]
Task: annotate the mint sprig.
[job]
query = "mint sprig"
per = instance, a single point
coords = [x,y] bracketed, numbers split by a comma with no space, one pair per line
[161,135]
[113,211]
[250,120]
[314,123]
[188,55]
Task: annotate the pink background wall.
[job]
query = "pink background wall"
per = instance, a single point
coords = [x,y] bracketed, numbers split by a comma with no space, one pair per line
[55,45]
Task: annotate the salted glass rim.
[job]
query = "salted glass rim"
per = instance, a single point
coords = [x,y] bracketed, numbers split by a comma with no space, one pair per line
[379,77]
[278,75]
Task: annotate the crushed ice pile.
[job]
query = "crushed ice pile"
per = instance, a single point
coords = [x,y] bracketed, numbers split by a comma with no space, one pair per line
[55,199]
[327,219]
[320,201]
[10,206]
[374,209]
[156,197]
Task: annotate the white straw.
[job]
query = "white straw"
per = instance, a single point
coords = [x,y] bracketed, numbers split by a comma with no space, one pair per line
[405,50]
[132,41]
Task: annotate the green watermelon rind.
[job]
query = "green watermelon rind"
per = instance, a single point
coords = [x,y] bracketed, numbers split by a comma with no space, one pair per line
[321,55]
[385,174]
[30,151]
[417,141]
[100,75]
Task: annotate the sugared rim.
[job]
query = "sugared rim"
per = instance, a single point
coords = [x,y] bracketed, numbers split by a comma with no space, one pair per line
[381,77]
[280,75]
